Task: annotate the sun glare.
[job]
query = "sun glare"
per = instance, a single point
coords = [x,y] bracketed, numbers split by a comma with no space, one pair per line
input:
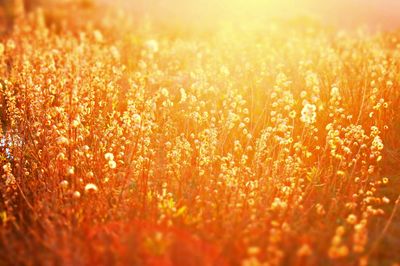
[176,132]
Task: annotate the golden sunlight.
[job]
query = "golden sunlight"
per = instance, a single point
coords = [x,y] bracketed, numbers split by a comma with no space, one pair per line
[346,13]
[177,132]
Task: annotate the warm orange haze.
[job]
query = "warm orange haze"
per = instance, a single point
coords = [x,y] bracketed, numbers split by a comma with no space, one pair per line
[344,13]
[199,132]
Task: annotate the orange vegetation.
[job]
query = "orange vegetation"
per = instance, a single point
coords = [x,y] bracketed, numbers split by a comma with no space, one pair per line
[135,144]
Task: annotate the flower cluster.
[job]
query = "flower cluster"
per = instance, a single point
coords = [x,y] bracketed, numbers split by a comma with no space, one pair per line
[250,146]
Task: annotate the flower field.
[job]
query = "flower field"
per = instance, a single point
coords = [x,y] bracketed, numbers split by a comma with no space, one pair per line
[125,142]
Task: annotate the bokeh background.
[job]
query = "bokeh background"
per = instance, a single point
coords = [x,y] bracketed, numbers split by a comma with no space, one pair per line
[374,14]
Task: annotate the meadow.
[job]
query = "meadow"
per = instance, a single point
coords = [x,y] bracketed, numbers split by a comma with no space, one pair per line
[124,142]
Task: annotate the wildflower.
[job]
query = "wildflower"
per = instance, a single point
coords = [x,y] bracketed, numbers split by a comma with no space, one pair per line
[377,143]
[168,145]
[112,164]
[224,70]
[250,202]
[308,114]
[64,184]
[109,156]
[98,36]
[137,119]
[10,179]
[340,230]
[75,123]
[320,209]
[340,173]
[339,251]
[164,92]
[183,95]
[76,195]
[351,219]
[7,168]
[70,170]
[152,46]
[335,92]
[253,250]
[386,200]
[10,44]
[304,251]
[115,53]
[91,187]
[62,140]
[142,64]
[61,156]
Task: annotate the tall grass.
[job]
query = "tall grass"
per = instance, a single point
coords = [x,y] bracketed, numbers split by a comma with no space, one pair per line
[132,144]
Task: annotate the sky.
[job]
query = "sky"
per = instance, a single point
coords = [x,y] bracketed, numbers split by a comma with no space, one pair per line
[346,13]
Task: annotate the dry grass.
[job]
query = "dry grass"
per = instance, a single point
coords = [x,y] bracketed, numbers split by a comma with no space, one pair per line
[129,144]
